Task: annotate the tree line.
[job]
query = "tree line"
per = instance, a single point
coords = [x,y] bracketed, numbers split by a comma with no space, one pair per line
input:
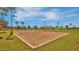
[21,25]
[4,11]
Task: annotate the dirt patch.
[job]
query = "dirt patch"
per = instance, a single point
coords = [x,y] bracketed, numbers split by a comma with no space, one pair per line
[38,38]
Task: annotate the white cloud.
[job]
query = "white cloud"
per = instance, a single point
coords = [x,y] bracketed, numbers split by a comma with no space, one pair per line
[31,8]
[20,15]
[30,12]
[69,13]
[51,15]
[72,15]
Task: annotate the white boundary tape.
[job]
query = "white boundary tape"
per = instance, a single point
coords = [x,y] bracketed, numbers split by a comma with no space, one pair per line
[24,40]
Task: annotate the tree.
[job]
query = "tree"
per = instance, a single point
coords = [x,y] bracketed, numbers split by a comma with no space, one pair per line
[35,27]
[5,11]
[61,26]
[22,23]
[66,26]
[70,25]
[58,24]
[29,27]
[2,15]
[3,24]
[17,24]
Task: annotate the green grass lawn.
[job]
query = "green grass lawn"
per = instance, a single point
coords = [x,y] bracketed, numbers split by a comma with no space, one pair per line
[12,45]
[66,43]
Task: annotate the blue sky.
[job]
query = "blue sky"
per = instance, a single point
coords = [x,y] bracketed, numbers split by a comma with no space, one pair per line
[51,15]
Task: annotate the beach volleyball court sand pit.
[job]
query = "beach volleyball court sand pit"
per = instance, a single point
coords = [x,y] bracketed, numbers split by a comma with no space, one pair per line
[38,38]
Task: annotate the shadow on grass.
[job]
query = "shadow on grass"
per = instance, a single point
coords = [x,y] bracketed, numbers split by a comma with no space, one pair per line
[9,37]
[2,33]
[1,37]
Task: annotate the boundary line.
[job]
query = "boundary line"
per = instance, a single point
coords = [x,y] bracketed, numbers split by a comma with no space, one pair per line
[24,40]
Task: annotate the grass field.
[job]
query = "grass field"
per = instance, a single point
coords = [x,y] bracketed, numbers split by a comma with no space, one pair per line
[67,43]
[12,45]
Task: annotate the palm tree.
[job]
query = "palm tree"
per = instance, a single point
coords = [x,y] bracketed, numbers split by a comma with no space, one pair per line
[70,25]
[29,27]
[35,27]
[58,24]
[17,24]
[66,26]
[61,26]
[22,23]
